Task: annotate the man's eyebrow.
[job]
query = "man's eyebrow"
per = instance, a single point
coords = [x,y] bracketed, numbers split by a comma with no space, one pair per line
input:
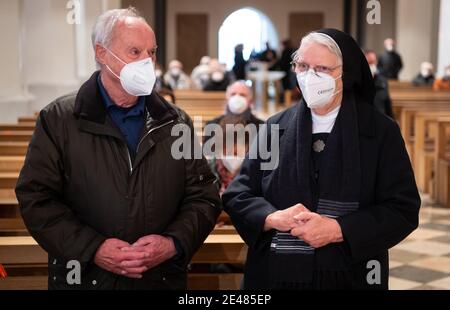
[130,46]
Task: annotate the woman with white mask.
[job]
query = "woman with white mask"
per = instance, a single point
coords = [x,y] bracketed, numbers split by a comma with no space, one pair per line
[239,101]
[230,155]
[343,191]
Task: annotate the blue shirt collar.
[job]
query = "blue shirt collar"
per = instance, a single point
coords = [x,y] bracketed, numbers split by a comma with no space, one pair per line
[109,104]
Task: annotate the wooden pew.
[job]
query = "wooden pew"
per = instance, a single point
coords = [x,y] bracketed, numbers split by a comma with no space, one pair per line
[24,251]
[423,156]
[11,163]
[9,206]
[13,148]
[13,227]
[27,119]
[207,105]
[406,86]
[442,163]
[28,126]
[8,179]
[15,136]
[407,116]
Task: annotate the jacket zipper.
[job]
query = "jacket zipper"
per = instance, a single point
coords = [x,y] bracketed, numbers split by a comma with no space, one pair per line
[140,142]
[129,160]
[152,130]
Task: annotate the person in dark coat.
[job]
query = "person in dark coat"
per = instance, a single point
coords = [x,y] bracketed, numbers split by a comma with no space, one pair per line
[160,83]
[342,191]
[220,77]
[382,101]
[239,103]
[269,55]
[239,63]
[426,75]
[390,62]
[219,81]
[100,184]
[284,64]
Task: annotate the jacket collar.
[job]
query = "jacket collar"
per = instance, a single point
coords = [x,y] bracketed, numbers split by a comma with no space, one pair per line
[89,105]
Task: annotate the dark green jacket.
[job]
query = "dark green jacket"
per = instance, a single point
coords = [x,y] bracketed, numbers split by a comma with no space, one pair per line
[79,187]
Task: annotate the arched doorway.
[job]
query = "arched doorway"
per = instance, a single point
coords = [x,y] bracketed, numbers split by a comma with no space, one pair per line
[246,26]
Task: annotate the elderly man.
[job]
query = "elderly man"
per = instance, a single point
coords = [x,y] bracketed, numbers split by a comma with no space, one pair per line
[426,75]
[239,101]
[100,186]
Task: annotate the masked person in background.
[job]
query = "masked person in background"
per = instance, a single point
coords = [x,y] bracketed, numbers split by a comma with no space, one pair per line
[239,63]
[100,185]
[201,74]
[219,77]
[343,192]
[390,62]
[425,76]
[444,82]
[175,76]
[160,83]
[227,162]
[382,101]
[239,103]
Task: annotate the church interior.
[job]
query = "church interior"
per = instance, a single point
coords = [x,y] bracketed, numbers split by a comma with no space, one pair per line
[203,47]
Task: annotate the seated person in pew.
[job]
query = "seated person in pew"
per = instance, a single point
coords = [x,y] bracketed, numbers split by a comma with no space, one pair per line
[227,161]
[176,77]
[426,75]
[219,79]
[239,104]
[100,184]
[201,74]
[382,101]
[160,83]
[342,192]
[444,82]
[225,165]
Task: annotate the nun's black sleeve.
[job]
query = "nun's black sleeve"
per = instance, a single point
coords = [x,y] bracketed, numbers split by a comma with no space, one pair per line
[394,215]
[244,202]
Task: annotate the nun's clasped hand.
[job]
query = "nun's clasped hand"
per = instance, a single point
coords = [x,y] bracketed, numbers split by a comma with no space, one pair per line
[316,230]
[284,220]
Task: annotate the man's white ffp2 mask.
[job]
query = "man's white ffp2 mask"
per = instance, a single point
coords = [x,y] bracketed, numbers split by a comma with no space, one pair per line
[137,78]
[237,104]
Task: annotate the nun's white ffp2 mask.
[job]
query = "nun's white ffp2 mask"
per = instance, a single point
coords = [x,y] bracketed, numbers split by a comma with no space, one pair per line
[317,88]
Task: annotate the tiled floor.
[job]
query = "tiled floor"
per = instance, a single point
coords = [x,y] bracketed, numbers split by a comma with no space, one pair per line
[422,261]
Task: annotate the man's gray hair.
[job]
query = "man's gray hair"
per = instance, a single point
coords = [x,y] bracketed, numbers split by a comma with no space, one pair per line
[322,39]
[239,82]
[104,25]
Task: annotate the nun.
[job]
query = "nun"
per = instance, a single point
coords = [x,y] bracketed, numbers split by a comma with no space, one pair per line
[343,192]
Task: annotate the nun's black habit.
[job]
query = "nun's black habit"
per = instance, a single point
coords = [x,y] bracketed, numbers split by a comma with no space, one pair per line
[365,181]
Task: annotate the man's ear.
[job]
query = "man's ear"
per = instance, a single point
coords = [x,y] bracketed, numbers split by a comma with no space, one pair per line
[100,53]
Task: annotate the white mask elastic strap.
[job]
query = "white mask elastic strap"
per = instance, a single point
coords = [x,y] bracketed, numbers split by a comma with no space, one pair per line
[112,71]
[116,56]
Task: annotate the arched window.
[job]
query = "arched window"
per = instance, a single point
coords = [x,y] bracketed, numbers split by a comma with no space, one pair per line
[246,26]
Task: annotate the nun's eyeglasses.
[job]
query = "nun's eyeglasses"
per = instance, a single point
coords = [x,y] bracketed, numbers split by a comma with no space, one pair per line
[301,67]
